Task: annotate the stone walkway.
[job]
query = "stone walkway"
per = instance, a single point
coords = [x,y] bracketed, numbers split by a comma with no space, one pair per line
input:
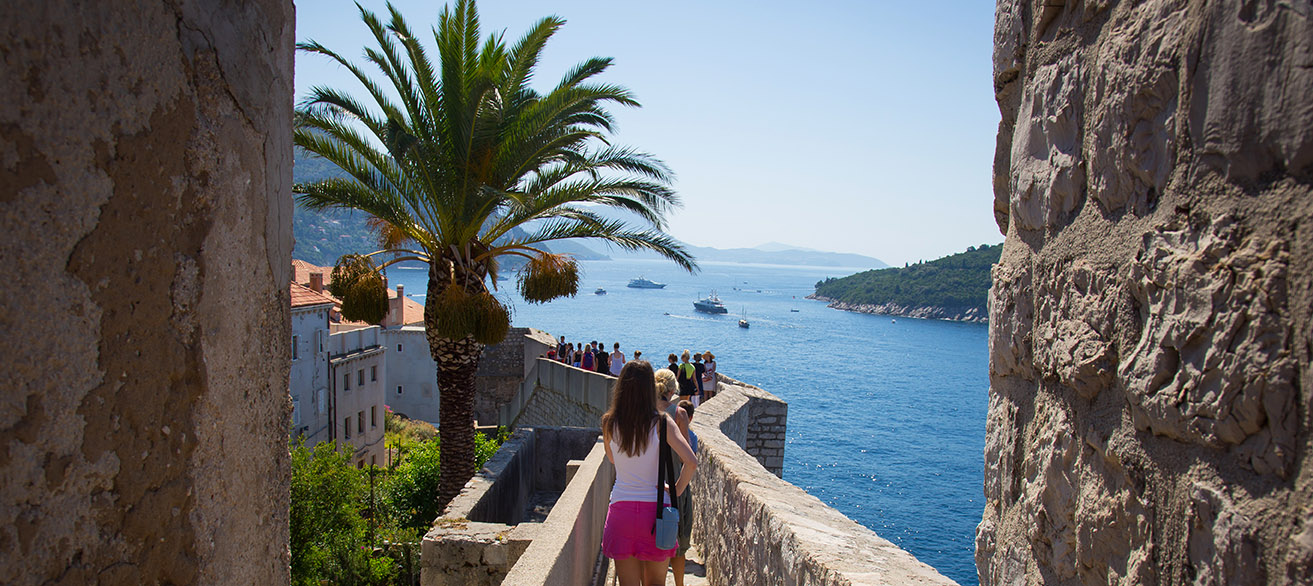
[695,574]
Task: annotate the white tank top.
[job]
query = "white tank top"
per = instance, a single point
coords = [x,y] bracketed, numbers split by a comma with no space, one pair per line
[636,476]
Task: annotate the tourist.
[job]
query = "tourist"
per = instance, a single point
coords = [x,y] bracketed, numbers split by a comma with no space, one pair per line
[674,363]
[601,360]
[630,437]
[587,362]
[708,375]
[698,371]
[685,408]
[685,373]
[617,360]
[666,389]
[578,357]
[638,354]
[563,349]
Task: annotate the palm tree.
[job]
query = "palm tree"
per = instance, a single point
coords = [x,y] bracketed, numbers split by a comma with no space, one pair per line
[465,167]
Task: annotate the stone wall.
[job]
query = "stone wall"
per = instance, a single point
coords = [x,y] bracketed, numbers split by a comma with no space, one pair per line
[556,394]
[757,422]
[482,533]
[1150,330]
[145,175]
[504,367]
[754,528]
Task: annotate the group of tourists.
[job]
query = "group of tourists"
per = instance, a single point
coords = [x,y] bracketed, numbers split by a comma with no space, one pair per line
[645,430]
[591,356]
[696,379]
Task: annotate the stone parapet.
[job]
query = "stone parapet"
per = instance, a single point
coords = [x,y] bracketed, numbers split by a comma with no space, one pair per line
[755,528]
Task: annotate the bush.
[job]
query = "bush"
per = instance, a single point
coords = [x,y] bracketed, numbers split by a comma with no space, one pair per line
[327,535]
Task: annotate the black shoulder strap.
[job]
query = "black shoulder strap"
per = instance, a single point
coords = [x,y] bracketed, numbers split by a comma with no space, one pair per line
[665,470]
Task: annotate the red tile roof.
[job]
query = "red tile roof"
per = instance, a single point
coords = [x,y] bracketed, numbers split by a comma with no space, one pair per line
[412,312]
[303,296]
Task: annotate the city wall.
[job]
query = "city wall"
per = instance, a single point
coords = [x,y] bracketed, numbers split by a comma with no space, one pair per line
[1151,317]
[145,182]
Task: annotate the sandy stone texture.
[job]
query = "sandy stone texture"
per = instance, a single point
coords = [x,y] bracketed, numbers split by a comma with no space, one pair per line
[1150,322]
[145,178]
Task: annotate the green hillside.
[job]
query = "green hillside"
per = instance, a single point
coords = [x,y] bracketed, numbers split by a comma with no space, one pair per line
[956,283]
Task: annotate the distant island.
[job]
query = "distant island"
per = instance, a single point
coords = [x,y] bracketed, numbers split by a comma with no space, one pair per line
[955,287]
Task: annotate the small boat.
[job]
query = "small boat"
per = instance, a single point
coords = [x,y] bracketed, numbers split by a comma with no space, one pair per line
[710,304]
[642,283]
[893,321]
[599,291]
[743,323]
[793,310]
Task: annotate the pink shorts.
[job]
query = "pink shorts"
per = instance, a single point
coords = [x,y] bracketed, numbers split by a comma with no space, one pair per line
[628,532]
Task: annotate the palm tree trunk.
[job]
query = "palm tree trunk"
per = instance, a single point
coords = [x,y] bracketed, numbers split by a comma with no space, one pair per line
[458,361]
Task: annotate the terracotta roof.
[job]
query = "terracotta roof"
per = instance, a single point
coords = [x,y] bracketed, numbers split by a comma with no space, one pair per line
[301,272]
[303,296]
[412,312]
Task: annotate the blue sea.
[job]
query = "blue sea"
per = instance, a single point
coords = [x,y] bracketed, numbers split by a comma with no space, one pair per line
[886,416]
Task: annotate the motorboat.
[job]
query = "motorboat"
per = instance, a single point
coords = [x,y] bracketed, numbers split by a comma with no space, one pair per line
[642,283]
[743,323]
[599,291]
[710,304]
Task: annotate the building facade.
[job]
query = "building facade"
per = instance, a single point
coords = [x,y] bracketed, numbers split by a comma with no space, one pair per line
[357,373]
[309,382]
[412,375]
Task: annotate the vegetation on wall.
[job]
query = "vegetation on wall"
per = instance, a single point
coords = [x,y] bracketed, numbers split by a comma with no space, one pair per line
[957,282]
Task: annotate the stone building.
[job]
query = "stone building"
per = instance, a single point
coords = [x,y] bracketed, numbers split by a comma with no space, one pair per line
[1151,317]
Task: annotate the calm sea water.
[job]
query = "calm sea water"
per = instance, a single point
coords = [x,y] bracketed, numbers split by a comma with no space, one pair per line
[886,418]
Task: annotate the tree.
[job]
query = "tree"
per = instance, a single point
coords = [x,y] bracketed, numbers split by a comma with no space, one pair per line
[327,536]
[464,153]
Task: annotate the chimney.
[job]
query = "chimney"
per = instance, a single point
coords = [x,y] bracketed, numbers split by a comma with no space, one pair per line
[317,282]
[401,291]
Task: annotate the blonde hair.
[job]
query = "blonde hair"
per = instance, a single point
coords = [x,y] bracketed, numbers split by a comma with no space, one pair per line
[684,356]
[665,382]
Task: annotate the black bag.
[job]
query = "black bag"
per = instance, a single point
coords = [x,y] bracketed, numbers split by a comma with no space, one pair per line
[666,526]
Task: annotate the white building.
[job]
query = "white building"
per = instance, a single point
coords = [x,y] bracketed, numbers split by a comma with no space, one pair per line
[309,382]
[357,376]
[412,388]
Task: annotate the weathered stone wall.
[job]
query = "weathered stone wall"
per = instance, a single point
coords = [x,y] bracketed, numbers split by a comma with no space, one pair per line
[1150,316]
[758,426]
[145,175]
[560,395]
[756,529]
[502,369]
[481,534]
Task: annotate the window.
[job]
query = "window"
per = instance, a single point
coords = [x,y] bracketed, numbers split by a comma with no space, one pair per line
[373,416]
[360,421]
[360,377]
[398,389]
[319,340]
[346,382]
[296,412]
[373,460]
[398,347]
[296,341]
[360,464]
[373,373]
[346,427]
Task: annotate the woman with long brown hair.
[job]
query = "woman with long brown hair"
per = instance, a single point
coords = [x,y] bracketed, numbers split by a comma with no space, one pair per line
[630,434]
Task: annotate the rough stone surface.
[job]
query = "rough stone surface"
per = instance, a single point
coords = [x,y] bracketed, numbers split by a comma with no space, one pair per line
[1151,317]
[145,175]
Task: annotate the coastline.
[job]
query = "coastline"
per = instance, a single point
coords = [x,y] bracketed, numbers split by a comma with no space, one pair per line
[921,312]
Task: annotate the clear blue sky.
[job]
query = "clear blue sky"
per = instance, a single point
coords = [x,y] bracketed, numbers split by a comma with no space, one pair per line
[849,126]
